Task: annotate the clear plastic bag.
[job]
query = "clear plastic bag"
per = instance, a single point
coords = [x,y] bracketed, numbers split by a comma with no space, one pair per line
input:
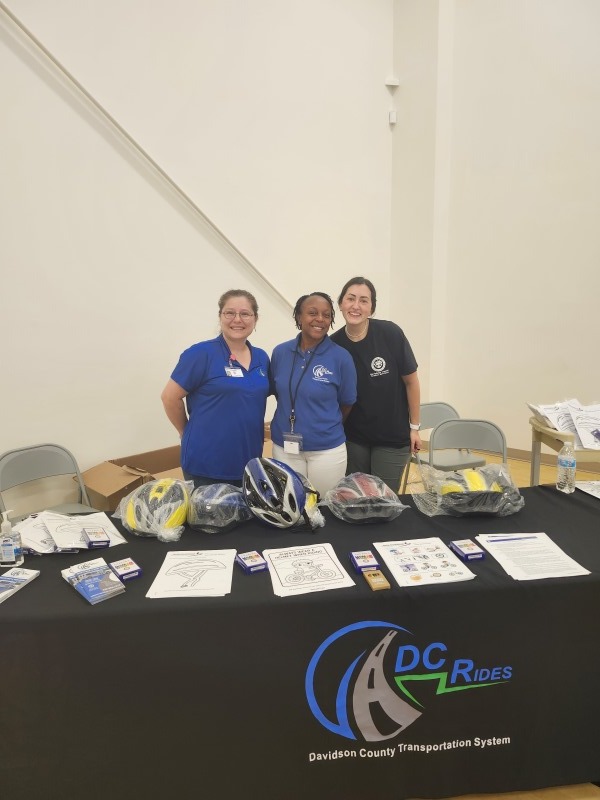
[487,490]
[217,508]
[360,499]
[157,508]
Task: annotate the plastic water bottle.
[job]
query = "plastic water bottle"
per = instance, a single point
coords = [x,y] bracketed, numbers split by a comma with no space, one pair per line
[565,479]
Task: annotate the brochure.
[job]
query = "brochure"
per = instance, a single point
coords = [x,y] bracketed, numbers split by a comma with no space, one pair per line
[94,580]
[416,562]
[14,579]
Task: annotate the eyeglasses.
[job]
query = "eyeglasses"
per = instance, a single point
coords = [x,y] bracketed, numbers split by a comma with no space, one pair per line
[245,316]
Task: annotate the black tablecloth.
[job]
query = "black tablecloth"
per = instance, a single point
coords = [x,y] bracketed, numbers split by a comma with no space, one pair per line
[261,696]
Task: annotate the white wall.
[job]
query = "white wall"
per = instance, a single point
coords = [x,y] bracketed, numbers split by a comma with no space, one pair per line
[476,215]
[271,116]
[508,238]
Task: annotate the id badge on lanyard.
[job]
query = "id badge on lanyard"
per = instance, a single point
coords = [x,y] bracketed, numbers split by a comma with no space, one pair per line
[234,372]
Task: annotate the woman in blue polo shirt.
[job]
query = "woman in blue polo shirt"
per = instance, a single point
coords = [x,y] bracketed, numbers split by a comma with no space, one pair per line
[314,381]
[225,384]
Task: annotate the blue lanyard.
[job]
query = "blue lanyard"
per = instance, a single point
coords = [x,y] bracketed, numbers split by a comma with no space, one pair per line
[304,371]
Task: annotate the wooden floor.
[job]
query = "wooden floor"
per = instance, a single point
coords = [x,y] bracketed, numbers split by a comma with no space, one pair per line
[583,791]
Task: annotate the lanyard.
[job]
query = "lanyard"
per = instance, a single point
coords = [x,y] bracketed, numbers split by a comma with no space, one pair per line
[295,394]
[228,354]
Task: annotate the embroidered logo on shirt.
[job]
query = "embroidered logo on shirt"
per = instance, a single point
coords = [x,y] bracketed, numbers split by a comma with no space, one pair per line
[378,364]
[320,373]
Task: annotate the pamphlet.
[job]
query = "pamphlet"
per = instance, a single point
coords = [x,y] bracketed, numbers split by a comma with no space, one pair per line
[94,580]
[589,487]
[416,562]
[49,532]
[14,579]
[530,556]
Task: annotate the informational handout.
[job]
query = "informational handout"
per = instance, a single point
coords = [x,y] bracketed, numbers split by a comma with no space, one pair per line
[589,487]
[48,532]
[416,562]
[571,416]
[299,570]
[194,573]
[530,556]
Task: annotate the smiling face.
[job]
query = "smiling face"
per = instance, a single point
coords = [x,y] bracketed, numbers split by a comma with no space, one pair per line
[237,319]
[357,304]
[314,320]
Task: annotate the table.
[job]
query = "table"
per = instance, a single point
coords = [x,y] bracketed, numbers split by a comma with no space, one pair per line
[541,434]
[212,697]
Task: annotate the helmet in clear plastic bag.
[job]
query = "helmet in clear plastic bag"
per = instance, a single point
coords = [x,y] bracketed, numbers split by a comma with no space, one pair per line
[362,498]
[217,508]
[274,492]
[156,507]
[486,490]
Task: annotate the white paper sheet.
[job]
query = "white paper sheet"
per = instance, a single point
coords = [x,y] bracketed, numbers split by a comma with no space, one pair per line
[194,573]
[589,487]
[299,570]
[530,556]
[416,562]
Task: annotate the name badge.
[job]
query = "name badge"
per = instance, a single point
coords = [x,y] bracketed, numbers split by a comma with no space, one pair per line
[234,372]
[292,443]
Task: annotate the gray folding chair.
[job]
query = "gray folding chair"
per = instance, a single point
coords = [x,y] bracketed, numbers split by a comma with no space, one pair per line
[19,467]
[432,414]
[478,434]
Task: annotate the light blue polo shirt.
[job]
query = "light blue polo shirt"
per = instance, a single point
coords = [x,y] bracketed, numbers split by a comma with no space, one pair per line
[321,381]
[226,413]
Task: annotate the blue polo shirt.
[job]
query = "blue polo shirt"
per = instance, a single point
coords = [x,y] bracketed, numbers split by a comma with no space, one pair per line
[321,381]
[226,413]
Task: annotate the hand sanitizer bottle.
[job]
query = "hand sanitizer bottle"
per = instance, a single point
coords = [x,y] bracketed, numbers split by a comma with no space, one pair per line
[11,551]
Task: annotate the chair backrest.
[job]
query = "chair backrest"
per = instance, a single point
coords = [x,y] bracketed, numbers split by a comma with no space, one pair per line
[475,434]
[434,413]
[39,461]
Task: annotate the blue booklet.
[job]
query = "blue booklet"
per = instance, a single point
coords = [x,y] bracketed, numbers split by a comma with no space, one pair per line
[94,580]
[15,579]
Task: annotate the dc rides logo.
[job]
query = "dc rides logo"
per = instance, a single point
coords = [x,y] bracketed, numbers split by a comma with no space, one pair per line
[321,373]
[373,701]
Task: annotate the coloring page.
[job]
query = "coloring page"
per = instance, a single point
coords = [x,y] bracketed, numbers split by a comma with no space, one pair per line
[299,570]
[194,573]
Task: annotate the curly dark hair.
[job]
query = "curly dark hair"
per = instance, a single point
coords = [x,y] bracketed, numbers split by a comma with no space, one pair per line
[300,301]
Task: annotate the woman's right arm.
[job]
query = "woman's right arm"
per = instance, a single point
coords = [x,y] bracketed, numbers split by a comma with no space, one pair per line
[172,398]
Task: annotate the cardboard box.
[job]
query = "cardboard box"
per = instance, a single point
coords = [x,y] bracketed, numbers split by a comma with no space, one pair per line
[109,482]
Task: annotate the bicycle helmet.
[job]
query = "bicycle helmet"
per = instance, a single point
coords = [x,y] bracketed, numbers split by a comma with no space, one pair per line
[217,508]
[361,498]
[158,508]
[486,490]
[273,492]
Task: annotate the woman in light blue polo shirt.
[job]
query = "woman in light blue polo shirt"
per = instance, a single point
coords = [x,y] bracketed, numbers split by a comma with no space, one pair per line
[225,384]
[314,381]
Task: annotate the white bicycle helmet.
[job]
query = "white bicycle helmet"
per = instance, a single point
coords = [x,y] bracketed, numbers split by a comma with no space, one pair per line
[273,492]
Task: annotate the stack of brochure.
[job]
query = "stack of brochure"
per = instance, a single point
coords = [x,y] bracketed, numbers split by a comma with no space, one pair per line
[572,417]
[94,580]
[15,579]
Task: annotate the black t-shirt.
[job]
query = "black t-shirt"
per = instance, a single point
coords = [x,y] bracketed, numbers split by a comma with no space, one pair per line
[380,415]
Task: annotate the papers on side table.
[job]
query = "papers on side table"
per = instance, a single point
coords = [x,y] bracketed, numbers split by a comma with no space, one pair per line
[194,573]
[298,570]
[530,556]
[573,417]
[415,562]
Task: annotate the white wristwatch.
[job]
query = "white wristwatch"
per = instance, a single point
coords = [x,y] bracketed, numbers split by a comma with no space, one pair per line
[415,426]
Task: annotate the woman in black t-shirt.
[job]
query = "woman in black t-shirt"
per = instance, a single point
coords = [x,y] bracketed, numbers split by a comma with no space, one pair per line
[383,427]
